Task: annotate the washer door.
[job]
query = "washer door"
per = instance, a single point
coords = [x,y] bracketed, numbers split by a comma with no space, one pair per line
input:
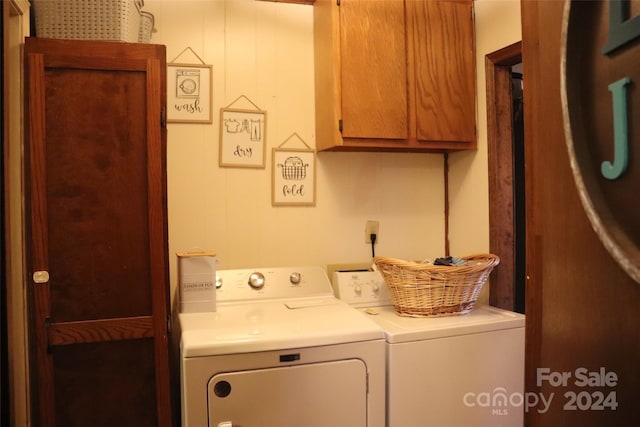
[321,394]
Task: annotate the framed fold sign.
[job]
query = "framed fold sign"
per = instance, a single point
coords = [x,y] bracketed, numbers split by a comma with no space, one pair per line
[293,180]
[189,93]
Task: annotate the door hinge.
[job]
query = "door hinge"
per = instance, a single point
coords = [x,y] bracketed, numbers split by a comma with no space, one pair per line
[338,2]
[163,117]
[340,125]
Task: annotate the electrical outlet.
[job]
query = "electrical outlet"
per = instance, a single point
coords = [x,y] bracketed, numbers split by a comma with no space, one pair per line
[371,227]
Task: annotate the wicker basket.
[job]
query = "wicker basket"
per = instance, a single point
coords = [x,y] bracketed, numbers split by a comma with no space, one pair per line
[422,290]
[88,19]
[146,27]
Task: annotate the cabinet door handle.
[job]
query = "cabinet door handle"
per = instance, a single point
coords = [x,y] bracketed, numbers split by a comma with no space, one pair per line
[41,276]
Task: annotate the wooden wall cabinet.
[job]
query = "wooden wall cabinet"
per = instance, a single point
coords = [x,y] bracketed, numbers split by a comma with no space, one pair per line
[395,75]
[292,1]
[97,233]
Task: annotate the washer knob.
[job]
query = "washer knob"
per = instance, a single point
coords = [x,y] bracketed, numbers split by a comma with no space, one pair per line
[295,278]
[358,289]
[256,280]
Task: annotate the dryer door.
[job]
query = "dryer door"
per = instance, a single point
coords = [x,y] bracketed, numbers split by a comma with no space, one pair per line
[320,394]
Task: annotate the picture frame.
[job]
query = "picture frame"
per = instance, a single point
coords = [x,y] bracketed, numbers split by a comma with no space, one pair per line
[189,93]
[242,138]
[293,177]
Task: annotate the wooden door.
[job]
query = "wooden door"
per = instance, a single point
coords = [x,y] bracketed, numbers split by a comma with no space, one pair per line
[373,68]
[582,308]
[97,233]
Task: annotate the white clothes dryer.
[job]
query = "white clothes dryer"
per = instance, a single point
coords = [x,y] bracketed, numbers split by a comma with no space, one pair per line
[454,371]
[281,351]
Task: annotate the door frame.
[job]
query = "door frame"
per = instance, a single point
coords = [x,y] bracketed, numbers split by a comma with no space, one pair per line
[4,348]
[501,172]
[16,26]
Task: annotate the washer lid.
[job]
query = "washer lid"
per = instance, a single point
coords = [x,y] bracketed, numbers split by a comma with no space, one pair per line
[481,319]
[278,325]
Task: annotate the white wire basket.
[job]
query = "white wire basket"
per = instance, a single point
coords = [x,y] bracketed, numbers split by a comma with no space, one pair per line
[117,20]
[146,27]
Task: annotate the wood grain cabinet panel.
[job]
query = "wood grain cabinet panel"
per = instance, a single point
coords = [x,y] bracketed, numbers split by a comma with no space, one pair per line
[97,225]
[444,62]
[395,75]
[373,63]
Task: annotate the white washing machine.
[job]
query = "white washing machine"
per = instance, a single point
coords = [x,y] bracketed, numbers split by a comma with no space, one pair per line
[282,351]
[454,371]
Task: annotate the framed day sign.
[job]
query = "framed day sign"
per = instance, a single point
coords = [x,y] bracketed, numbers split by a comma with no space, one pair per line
[189,93]
[242,138]
[293,177]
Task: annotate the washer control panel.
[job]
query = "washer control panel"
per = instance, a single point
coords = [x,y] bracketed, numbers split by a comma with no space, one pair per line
[361,288]
[272,283]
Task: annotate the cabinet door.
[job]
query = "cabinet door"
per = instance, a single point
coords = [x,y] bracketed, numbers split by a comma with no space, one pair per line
[444,62]
[373,69]
[96,214]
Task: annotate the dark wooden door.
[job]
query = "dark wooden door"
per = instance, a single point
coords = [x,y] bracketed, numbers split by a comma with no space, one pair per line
[97,234]
[582,308]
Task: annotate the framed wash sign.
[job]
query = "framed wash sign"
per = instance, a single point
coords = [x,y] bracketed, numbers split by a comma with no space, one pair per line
[189,93]
[293,179]
[242,138]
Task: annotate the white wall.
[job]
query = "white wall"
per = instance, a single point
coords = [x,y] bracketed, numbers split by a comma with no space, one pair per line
[264,50]
[497,25]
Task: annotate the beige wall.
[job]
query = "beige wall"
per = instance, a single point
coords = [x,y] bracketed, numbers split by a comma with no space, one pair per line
[497,26]
[264,50]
